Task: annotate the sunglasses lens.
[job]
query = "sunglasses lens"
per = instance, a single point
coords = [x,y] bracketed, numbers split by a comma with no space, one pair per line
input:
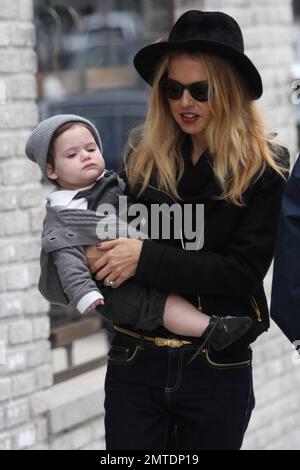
[199,91]
[173,90]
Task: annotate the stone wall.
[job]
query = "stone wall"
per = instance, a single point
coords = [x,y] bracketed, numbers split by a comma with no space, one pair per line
[24,326]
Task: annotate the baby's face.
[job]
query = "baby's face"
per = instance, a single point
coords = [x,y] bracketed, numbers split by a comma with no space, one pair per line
[78,160]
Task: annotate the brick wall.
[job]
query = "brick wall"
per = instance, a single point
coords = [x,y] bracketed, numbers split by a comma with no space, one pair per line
[24,326]
[267,32]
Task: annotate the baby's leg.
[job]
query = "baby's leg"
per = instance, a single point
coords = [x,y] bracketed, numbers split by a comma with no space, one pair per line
[182,318]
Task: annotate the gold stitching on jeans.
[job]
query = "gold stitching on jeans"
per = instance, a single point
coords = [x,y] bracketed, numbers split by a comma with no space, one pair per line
[224,366]
[130,359]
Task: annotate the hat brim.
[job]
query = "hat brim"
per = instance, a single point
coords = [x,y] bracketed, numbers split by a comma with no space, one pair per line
[147,59]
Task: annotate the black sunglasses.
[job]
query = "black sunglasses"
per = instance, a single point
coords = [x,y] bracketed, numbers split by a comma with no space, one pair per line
[174,90]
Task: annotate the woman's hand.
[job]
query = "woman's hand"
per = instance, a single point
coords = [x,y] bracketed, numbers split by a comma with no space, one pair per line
[117,262]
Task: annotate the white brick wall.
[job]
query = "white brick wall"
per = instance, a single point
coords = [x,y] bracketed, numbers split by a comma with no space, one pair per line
[24,324]
[266,26]
[27,372]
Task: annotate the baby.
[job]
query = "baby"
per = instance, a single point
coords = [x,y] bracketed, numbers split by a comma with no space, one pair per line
[69,152]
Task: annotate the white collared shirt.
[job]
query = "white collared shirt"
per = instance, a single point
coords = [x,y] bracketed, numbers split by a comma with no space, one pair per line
[64,197]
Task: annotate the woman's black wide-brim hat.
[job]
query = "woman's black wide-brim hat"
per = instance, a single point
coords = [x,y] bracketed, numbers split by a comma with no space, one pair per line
[203,31]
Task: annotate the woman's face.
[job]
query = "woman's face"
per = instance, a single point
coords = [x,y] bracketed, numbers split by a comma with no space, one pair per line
[191,115]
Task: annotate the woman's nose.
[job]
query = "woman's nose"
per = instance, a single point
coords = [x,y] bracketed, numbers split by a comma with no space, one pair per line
[186,98]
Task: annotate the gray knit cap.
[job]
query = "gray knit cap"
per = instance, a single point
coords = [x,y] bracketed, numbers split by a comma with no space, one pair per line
[37,146]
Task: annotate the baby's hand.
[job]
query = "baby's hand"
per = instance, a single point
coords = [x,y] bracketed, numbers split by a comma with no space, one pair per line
[93,306]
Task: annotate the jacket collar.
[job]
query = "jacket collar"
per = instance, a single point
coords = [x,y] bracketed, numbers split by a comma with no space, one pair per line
[63,197]
[198,182]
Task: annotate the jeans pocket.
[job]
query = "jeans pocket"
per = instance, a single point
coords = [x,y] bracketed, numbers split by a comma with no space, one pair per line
[236,363]
[123,352]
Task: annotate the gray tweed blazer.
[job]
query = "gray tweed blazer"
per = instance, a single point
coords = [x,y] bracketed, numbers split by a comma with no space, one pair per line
[65,276]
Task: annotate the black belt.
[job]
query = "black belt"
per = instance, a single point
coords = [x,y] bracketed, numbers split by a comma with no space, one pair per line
[156,340]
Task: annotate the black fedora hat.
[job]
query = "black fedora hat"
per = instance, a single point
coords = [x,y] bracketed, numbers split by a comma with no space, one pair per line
[203,31]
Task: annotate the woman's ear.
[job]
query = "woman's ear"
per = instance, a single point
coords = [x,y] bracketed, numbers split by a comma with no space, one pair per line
[51,173]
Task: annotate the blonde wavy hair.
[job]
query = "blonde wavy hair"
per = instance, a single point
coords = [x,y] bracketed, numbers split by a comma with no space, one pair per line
[236,137]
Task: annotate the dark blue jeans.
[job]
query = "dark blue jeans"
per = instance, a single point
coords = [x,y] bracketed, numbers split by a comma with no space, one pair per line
[154,401]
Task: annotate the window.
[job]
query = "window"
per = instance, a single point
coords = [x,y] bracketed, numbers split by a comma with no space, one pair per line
[86,45]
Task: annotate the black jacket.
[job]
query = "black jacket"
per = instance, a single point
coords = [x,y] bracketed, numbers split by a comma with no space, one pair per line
[285,299]
[227,273]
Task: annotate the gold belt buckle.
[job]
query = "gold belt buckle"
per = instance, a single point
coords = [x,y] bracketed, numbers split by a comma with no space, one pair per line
[170,342]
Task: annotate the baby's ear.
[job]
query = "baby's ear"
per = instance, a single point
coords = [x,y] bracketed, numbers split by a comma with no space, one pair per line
[50,172]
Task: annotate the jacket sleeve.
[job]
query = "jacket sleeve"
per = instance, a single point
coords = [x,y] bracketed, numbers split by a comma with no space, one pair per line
[236,272]
[75,277]
[285,298]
